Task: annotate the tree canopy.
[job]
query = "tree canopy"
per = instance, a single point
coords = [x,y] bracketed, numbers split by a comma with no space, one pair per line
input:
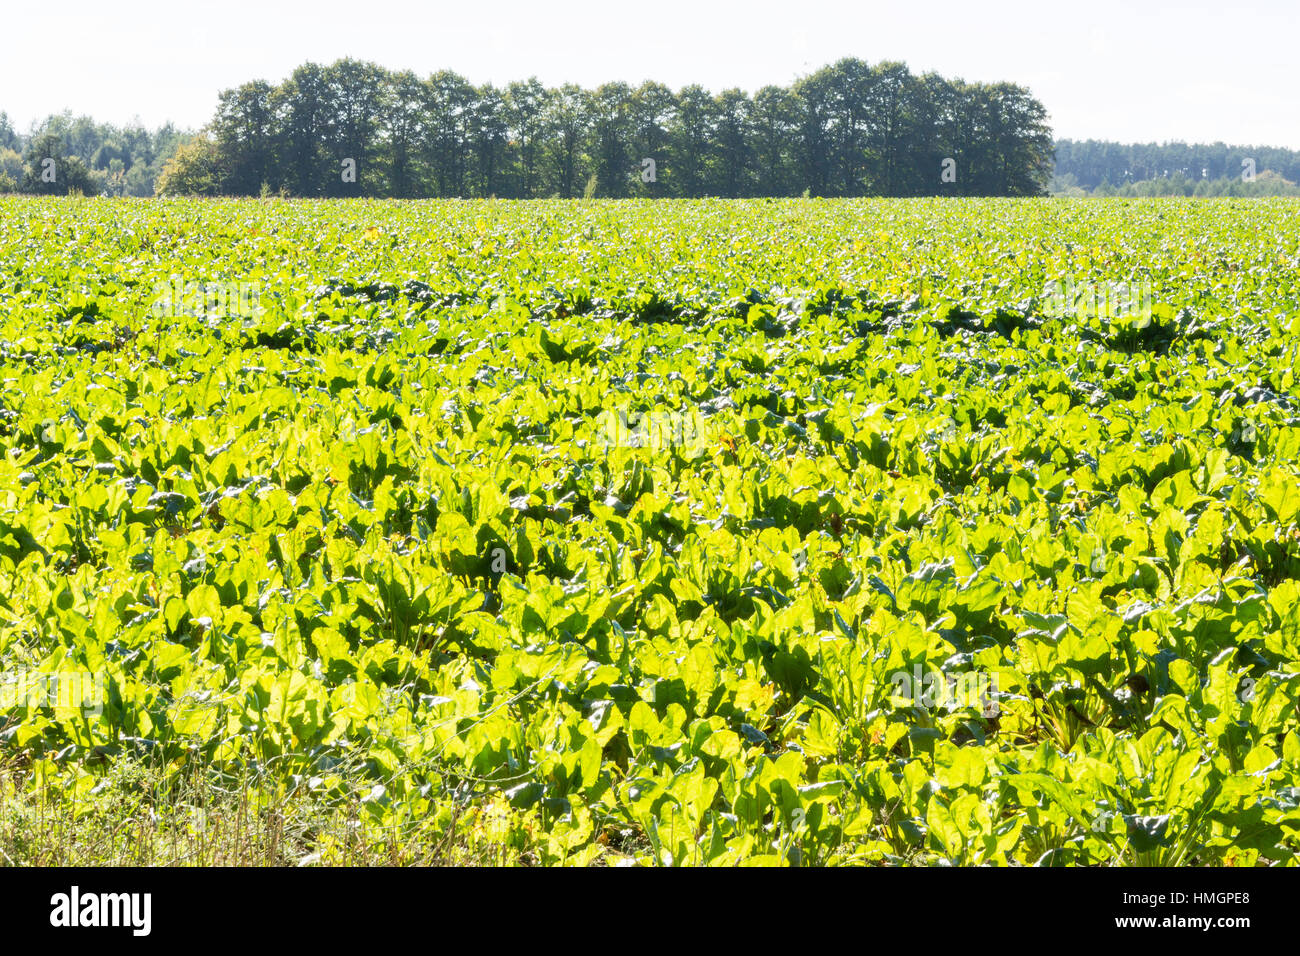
[850,129]
[65,153]
[1094,165]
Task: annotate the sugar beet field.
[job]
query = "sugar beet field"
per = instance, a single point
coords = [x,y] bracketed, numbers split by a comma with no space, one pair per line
[705,532]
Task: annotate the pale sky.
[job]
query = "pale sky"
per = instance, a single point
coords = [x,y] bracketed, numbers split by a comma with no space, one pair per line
[1143,70]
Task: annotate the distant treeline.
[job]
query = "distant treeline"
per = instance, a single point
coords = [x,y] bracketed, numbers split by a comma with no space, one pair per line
[851,129]
[1267,183]
[1107,168]
[92,158]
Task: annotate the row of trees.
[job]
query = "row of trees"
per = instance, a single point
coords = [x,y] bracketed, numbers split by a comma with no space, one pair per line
[1093,164]
[356,129]
[91,158]
[838,132]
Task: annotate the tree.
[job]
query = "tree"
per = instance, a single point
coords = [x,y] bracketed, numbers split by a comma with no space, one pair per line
[928,164]
[846,89]
[11,170]
[894,136]
[405,120]
[245,128]
[733,155]
[611,123]
[1019,140]
[816,104]
[9,138]
[774,123]
[526,105]
[49,170]
[692,132]
[355,104]
[568,121]
[192,170]
[301,107]
[449,99]
[489,138]
[650,114]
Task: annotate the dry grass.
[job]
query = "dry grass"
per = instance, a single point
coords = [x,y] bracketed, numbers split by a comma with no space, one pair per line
[135,816]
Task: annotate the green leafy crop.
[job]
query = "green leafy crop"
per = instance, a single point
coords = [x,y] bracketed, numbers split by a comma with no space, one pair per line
[709,532]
